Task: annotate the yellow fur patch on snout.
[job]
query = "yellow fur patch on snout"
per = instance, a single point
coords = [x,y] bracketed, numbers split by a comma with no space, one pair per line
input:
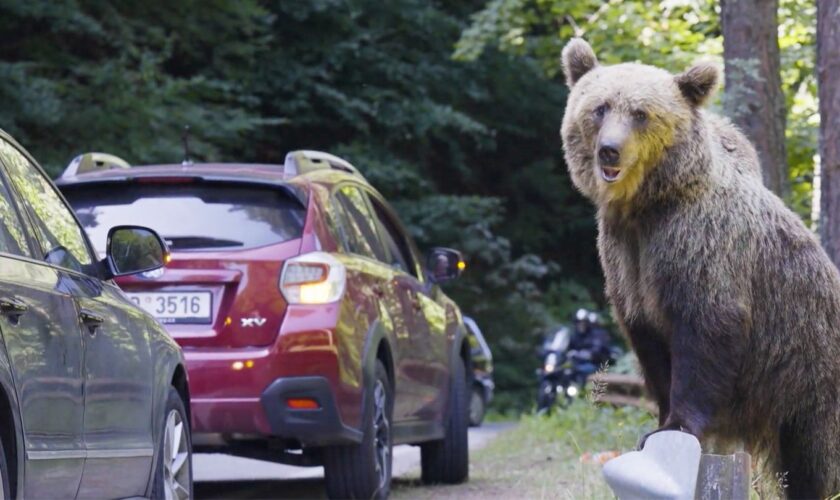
[645,148]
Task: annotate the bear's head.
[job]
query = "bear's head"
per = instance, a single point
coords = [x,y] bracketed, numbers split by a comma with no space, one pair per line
[620,120]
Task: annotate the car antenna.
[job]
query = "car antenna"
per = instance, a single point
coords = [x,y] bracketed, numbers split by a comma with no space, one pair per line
[185,137]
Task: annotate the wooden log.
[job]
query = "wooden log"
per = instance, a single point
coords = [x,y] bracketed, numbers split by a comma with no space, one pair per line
[619,379]
[723,477]
[624,400]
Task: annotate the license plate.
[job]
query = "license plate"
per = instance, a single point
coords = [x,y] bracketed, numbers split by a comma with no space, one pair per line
[176,307]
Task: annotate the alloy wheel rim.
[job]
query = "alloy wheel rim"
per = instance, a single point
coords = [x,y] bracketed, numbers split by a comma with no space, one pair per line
[382,432]
[176,458]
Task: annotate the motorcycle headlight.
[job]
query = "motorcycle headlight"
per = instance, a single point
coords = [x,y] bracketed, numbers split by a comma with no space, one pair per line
[550,363]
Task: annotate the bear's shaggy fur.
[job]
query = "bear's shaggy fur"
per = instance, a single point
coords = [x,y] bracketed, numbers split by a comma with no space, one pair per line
[730,303]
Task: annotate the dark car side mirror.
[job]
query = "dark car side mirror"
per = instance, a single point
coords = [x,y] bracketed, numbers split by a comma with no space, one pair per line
[134,249]
[445,264]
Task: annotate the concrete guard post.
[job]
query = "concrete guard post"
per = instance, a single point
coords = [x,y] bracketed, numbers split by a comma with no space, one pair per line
[724,477]
[671,467]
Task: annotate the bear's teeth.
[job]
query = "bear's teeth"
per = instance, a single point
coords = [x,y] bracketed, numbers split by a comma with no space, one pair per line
[610,174]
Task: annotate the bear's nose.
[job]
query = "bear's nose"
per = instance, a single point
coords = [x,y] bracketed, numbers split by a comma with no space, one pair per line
[608,155]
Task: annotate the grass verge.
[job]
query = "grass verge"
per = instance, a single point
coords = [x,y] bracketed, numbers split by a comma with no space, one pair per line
[541,457]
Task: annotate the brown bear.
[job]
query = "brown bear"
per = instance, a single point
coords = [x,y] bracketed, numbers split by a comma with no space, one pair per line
[729,301]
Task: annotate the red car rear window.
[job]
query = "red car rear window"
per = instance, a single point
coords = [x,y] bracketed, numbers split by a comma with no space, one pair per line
[199,216]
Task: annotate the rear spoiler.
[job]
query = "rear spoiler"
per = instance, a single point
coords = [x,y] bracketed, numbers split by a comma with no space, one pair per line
[66,183]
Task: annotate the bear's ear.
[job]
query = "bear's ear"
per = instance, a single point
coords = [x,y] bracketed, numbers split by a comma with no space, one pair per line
[699,83]
[578,58]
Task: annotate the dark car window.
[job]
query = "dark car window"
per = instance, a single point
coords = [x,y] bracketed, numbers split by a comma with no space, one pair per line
[361,227]
[61,238]
[400,255]
[12,239]
[202,216]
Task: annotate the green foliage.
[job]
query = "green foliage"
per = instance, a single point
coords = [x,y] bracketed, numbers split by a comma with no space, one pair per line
[670,34]
[586,427]
[96,75]
[468,152]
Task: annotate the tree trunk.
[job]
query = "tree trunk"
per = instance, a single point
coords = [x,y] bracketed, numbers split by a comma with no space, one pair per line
[753,96]
[828,81]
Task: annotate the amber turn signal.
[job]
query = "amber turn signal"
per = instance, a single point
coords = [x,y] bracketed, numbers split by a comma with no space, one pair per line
[302,404]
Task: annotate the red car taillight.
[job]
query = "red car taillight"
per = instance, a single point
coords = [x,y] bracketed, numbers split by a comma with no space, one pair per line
[313,278]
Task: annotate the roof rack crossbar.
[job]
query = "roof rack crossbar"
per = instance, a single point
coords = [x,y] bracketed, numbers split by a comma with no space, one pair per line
[92,162]
[303,161]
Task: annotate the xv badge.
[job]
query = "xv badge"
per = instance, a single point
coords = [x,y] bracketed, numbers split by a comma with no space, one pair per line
[257,321]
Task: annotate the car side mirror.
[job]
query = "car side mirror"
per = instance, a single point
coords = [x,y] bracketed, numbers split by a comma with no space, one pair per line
[134,249]
[445,264]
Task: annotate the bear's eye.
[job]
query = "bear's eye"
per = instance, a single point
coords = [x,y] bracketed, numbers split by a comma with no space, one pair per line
[600,111]
[640,116]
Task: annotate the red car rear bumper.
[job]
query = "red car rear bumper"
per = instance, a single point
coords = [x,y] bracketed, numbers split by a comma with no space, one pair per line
[245,390]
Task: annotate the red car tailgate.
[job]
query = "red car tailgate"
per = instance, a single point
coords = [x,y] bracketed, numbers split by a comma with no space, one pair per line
[246,306]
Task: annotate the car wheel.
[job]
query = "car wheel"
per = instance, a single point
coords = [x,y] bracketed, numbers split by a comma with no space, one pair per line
[5,491]
[447,460]
[173,476]
[363,470]
[477,406]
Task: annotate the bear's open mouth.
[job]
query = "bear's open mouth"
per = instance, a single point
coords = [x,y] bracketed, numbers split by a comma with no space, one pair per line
[610,174]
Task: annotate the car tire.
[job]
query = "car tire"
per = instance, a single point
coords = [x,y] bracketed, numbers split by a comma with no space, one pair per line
[363,470]
[477,406]
[447,460]
[6,491]
[173,474]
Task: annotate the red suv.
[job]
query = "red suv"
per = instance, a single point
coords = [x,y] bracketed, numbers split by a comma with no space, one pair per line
[312,332]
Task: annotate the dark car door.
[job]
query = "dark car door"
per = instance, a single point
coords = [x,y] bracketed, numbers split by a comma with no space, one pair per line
[40,328]
[118,392]
[425,318]
[117,366]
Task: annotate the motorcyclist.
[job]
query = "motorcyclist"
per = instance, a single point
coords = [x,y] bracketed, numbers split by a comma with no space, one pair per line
[590,336]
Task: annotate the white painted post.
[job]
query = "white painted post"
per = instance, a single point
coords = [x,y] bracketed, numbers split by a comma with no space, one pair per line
[671,467]
[665,469]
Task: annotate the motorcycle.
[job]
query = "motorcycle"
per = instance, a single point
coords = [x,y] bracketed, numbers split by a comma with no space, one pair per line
[564,371]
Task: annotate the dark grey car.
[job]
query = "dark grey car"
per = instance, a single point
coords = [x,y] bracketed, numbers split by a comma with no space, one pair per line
[93,391]
[482,365]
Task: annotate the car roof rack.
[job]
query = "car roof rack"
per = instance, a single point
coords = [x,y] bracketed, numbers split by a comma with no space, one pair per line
[304,161]
[93,162]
